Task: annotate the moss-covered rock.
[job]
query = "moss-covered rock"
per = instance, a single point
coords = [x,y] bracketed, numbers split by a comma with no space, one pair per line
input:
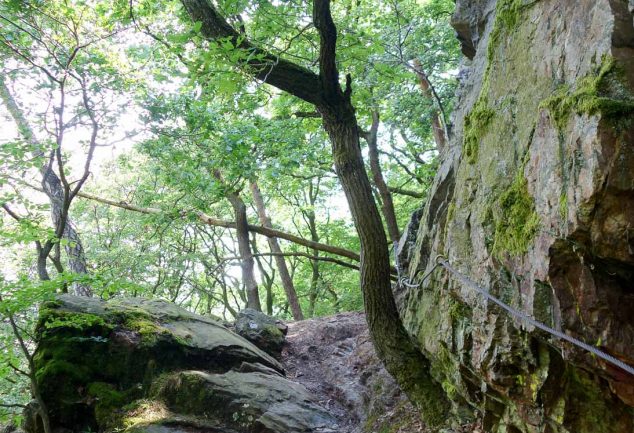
[94,358]
[265,332]
[246,402]
[603,91]
[533,201]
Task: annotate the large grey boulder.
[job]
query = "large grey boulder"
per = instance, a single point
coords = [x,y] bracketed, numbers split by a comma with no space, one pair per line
[249,402]
[133,364]
[534,200]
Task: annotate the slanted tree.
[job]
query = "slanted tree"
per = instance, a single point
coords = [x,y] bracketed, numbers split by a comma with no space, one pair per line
[439,129]
[280,261]
[247,263]
[323,90]
[385,195]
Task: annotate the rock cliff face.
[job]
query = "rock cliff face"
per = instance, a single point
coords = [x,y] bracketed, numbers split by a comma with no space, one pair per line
[534,200]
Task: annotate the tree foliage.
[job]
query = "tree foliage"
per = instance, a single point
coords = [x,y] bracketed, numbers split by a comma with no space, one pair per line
[129,101]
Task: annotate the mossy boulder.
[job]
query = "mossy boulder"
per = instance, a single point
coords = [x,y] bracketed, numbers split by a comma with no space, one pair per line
[245,402]
[264,331]
[96,360]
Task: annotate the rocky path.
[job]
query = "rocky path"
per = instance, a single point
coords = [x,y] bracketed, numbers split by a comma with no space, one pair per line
[334,359]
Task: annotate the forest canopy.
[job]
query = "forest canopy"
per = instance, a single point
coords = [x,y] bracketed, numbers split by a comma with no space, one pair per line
[205,153]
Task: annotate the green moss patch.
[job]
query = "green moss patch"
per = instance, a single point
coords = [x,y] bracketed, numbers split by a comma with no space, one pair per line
[108,402]
[52,318]
[515,220]
[475,126]
[507,15]
[601,92]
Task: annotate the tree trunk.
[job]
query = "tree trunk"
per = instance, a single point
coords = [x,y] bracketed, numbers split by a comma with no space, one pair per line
[285,276]
[314,236]
[246,262]
[377,175]
[42,271]
[53,188]
[74,250]
[440,135]
[400,355]
[267,279]
[393,345]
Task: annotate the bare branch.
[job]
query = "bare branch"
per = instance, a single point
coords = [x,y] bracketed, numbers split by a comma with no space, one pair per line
[13,406]
[408,192]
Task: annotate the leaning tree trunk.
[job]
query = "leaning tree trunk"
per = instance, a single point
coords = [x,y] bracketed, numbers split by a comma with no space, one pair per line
[73,247]
[280,262]
[440,134]
[400,355]
[377,175]
[393,345]
[246,256]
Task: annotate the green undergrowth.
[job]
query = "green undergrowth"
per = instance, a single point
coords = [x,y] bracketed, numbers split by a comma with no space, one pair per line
[601,92]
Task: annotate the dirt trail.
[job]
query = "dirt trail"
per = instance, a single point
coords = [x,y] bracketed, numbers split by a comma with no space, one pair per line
[334,359]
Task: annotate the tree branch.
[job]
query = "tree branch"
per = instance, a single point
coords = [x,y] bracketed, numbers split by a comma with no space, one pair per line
[328,72]
[13,406]
[261,64]
[408,192]
[209,220]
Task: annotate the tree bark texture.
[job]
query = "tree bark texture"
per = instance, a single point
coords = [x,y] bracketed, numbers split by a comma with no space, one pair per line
[52,187]
[314,236]
[246,263]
